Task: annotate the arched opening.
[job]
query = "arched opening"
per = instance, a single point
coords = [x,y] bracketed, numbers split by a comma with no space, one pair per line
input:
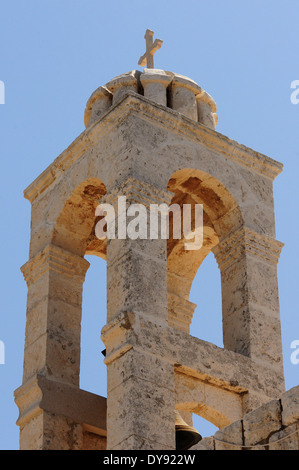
[206,294]
[74,232]
[74,228]
[221,214]
[93,377]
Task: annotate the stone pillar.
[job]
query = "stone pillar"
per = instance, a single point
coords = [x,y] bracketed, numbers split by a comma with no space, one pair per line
[250,302]
[99,102]
[140,403]
[123,84]
[53,329]
[183,96]
[155,83]
[206,108]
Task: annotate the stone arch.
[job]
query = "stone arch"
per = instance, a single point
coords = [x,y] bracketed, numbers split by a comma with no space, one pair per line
[217,405]
[221,215]
[73,235]
[74,228]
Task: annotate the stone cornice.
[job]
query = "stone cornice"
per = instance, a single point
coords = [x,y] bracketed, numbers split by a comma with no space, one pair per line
[164,117]
[244,240]
[42,394]
[55,259]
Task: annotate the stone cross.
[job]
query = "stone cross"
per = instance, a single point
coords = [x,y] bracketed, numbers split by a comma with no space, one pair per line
[151,47]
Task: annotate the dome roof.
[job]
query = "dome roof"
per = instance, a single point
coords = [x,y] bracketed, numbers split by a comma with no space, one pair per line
[168,89]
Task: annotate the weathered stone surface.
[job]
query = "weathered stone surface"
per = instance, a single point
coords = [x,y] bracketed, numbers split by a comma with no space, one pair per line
[286,439]
[99,102]
[290,406]
[205,444]
[125,419]
[230,437]
[93,441]
[155,83]
[261,423]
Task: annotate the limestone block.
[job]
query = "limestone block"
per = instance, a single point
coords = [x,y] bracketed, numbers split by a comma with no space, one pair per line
[207,443]
[230,437]
[183,93]
[121,85]
[138,283]
[99,102]
[61,433]
[155,83]
[286,439]
[138,442]
[31,435]
[206,108]
[261,423]
[180,312]
[290,406]
[93,441]
[35,357]
[253,332]
[142,366]
[36,321]
[140,408]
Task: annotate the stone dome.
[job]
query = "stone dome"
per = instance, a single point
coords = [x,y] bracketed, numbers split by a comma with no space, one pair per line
[168,89]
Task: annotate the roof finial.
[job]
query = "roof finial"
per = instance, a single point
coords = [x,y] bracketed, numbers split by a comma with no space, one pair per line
[148,58]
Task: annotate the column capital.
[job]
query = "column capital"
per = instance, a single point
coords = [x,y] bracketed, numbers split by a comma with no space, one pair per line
[180,312]
[246,241]
[55,259]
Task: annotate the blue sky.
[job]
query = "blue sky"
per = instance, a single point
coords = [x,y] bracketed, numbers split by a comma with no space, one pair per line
[54,54]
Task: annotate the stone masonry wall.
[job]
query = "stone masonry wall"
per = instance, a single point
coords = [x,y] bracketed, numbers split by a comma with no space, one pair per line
[274,426]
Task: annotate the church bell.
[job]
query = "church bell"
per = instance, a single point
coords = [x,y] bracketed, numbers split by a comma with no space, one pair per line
[186,436]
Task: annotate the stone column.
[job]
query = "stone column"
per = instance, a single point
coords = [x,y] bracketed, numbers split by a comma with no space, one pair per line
[99,102]
[183,94]
[140,394]
[206,108]
[53,329]
[250,302]
[123,84]
[155,83]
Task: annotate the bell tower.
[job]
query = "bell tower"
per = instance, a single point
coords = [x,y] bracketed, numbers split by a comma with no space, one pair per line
[150,137]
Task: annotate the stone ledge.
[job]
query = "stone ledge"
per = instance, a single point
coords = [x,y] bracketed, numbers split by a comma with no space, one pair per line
[190,355]
[42,394]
